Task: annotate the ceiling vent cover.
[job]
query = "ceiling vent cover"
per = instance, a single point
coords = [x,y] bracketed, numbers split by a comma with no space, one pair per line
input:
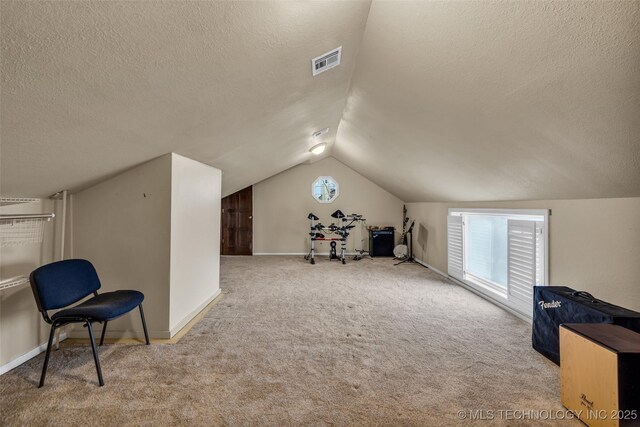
[319,133]
[326,61]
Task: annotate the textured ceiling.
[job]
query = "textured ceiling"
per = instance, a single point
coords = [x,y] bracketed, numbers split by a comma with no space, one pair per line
[92,88]
[448,101]
[473,101]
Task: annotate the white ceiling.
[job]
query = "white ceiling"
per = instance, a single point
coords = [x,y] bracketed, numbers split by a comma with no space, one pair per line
[92,88]
[448,101]
[473,101]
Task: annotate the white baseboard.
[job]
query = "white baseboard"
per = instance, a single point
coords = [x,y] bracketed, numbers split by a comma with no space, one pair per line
[493,301]
[181,324]
[301,253]
[280,253]
[431,268]
[29,355]
[480,294]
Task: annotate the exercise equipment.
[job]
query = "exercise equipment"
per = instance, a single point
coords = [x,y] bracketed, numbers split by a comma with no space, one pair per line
[332,233]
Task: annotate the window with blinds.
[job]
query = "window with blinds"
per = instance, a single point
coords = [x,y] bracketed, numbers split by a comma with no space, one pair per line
[456,248]
[501,253]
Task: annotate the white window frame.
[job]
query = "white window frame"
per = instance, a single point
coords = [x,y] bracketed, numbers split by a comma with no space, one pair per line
[326,178]
[483,286]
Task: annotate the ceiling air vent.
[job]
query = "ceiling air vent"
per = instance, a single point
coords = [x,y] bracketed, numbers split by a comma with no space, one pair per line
[326,61]
[319,133]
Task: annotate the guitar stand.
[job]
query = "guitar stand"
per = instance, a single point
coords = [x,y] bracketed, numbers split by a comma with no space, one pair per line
[409,259]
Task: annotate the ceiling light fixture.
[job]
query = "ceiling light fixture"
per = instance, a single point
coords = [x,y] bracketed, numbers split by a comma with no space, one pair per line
[318,149]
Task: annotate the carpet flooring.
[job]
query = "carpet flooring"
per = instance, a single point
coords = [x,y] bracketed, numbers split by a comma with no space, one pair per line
[291,343]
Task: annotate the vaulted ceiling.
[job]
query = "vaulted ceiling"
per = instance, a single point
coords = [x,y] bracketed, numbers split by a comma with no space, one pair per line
[92,88]
[433,101]
[472,101]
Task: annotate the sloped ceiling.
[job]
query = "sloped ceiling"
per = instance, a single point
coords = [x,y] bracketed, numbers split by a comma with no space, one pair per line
[449,100]
[92,88]
[473,101]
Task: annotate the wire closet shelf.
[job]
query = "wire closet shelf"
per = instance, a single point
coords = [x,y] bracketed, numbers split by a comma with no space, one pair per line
[22,229]
[13,281]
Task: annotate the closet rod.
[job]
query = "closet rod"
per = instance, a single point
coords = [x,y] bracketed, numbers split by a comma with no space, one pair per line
[9,217]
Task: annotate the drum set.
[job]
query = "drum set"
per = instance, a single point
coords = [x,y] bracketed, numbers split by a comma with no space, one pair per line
[333,233]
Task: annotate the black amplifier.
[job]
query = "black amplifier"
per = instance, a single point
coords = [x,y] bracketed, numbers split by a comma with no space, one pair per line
[381,242]
[554,305]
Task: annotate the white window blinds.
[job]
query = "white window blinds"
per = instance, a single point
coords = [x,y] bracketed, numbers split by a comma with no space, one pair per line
[501,253]
[521,259]
[540,254]
[455,247]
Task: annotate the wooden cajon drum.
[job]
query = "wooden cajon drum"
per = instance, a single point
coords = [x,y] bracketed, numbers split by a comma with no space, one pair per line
[600,373]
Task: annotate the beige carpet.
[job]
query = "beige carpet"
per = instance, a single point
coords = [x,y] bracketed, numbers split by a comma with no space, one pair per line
[366,343]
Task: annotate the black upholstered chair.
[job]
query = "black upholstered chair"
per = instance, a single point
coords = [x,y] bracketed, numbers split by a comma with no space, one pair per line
[60,284]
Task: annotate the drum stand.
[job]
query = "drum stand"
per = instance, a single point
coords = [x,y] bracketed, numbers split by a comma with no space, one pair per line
[315,234]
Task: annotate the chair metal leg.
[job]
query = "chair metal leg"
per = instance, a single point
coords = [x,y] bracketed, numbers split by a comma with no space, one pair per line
[46,357]
[144,325]
[95,353]
[57,338]
[104,330]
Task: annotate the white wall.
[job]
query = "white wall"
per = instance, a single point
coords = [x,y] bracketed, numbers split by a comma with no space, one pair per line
[195,238]
[594,244]
[154,228]
[22,329]
[123,226]
[281,205]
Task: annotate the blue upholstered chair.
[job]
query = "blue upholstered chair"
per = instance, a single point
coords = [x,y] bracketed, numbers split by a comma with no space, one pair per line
[60,284]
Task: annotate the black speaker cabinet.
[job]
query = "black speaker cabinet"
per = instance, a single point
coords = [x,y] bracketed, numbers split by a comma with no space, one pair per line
[381,242]
[555,305]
